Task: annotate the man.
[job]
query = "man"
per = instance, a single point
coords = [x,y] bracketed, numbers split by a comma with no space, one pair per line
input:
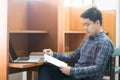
[91,57]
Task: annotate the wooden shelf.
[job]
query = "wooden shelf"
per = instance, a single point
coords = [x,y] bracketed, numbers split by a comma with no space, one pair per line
[28,31]
[25,65]
[75,32]
[69,52]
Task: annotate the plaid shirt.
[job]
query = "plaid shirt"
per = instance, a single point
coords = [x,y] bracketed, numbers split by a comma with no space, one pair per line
[91,57]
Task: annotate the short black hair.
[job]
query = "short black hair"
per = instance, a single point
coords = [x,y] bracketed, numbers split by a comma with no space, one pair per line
[93,14]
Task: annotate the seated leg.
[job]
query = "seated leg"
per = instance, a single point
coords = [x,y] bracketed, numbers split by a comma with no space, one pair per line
[50,72]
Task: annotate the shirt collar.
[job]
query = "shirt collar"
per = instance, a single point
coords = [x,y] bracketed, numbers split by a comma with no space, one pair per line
[98,36]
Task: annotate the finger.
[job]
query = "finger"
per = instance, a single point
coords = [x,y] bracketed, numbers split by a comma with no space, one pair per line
[48,50]
[61,67]
[47,53]
[45,50]
[61,70]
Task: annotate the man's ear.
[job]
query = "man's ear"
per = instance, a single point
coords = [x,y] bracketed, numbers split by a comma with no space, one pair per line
[97,22]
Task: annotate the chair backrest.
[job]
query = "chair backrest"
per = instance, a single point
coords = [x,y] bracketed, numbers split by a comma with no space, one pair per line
[110,68]
[116,52]
[109,71]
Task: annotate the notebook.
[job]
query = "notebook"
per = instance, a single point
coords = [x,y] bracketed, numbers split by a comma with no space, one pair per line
[30,59]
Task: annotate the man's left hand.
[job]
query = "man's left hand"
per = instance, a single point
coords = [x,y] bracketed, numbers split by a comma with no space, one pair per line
[65,70]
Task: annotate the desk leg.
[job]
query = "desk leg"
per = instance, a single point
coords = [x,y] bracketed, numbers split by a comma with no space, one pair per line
[35,73]
[29,75]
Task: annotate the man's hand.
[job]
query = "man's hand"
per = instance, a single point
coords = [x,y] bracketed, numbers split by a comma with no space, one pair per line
[48,52]
[65,70]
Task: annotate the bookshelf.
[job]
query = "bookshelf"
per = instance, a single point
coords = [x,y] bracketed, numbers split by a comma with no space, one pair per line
[28,31]
[33,26]
[75,32]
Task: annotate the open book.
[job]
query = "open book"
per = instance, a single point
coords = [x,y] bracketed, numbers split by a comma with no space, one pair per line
[54,61]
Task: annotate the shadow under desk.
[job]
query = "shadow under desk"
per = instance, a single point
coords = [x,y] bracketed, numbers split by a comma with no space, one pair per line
[28,67]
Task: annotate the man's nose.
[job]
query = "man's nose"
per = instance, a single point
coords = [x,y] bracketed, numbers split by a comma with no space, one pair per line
[85,27]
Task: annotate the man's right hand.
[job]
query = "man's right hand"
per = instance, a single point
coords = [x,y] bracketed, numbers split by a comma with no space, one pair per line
[48,52]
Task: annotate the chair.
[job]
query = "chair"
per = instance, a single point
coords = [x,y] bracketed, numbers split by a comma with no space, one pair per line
[115,54]
[111,69]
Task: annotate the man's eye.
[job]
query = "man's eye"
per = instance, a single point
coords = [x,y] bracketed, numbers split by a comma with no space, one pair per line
[85,24]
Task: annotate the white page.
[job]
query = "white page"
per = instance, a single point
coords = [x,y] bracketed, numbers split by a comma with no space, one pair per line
[54,61]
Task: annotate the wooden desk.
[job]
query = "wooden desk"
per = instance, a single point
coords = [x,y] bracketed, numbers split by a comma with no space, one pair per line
[28,67]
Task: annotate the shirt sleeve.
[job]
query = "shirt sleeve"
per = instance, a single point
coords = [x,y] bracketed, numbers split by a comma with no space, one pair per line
[70,58]
[104,51]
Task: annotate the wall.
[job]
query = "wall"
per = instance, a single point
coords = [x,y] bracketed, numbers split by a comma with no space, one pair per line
[108,4]
[17,76]
[118,24]
[3,39]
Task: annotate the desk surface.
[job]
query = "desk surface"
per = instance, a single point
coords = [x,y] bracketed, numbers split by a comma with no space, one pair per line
[25,65]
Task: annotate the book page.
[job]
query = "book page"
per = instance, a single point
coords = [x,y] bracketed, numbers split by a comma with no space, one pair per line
[54,61]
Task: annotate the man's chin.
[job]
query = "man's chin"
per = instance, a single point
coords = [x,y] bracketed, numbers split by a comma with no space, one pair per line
[89,34]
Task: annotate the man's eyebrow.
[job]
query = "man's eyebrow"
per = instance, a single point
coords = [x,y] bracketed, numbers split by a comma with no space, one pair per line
[86,23]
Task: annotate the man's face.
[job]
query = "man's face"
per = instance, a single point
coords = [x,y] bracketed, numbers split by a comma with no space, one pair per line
[90,27]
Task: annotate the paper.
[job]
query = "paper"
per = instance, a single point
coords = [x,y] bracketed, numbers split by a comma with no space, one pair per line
[54,61]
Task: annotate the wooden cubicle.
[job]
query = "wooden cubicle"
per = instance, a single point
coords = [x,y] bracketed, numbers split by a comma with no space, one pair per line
[34,25]
[3,40]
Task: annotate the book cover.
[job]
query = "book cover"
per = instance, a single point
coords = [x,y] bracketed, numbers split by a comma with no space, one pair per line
[54,61]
